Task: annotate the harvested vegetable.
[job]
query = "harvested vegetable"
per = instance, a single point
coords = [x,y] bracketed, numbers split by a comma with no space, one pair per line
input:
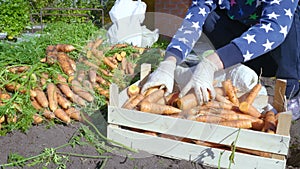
[230,91]
[41,98]
[78,89]
[133,101]
[62,101]
[158,108]
[52,96]
[188,101]
[37,119]
[133,90]
[64,62]
[64,48]
[48,114]
[62,115]
[270,122]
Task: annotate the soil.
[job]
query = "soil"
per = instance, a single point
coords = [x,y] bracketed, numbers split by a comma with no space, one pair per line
[39,137]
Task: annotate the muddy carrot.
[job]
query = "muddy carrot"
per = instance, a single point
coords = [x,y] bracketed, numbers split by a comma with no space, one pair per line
[80,75]
[2,119]
[158,108]
[62,115]
[48,114]
[97,43]
[62,101]
[102,81]
[101,90]
[52,96]
[92,75]
[64,87]
[64,48]
[230,92]
[133,90]
[41,98]
[78,100]
[87,85]
[64,63]
[74,113]
[188,101]
[37,119]
[110,64]
[132,102]
[78,89]
[270,122]
[155,96]
[35,104]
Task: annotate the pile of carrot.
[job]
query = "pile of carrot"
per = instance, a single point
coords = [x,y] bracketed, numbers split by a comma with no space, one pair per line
[62,96]
[226,109]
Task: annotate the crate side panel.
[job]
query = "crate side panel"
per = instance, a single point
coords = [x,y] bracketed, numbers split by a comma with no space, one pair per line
[186,151]
[200,131]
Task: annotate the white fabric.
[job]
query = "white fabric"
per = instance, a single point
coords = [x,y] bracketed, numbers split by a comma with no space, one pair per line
[127,17]
[162,76]
[202,81]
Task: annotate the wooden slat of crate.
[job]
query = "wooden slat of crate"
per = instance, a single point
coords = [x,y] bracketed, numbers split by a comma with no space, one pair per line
[197,130]
[181,150]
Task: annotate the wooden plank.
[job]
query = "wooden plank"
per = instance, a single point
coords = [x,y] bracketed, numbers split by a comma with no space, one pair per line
[279,95]
[200,131]
[114,95]
[283,128]
[187,151]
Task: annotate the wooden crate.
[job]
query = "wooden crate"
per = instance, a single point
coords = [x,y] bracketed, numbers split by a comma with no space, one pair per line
[119,119]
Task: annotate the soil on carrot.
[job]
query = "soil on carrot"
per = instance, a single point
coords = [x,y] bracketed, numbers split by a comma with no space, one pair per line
[71,146]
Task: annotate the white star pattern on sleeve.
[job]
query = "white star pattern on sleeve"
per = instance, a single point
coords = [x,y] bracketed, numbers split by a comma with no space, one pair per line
[276,2]
[250,38]
[273,15]
[288,13]
[188,16]
[187,32]
[195,25]
[268,45]
[209,2]
[177,47]
[283,30]
[202,11]
[247,56]
[267,27]
[184,40]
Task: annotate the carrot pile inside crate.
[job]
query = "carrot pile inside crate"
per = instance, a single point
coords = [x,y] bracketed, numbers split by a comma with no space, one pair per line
[63,95]
[227,109]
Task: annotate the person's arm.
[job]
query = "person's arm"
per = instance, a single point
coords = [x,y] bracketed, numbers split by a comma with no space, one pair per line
[259,39]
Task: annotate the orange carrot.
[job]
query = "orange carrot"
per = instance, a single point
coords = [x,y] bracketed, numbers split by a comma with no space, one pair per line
[124,64]
[188,101]
[244,123]
[78,89]
[80,75]
[97,43]
[258,124]
[105,72]
[101,90]
[48,114]
[130,68]
[158,108]
[172,98]
[78,100]
[41,98]
[51,57]
[62,115]
[150,90]
[43,79]
[73,64]
[18,69]
[50,48]
[133,90]
[37,119]
[87,85]
[249,109]
[35,104]
[102,81]
[223,99]
[64,48]
[155,96]
[62,101]
[133,101]
[270,122]
[110,64]
[2,119]
[74,113]
[230,92]
[64,63]
[253,93]
[52,96]
[92,75]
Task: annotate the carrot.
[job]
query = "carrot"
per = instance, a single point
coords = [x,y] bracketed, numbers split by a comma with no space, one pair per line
[230,92]
[98,54]
[4,96]
[80,75]
[37,119]
[50,48]
[51,57]
[101,90]
[48,114]
[270,122]
[133,90]
[155,96]
[258,124]
[92,75]
[158,108]
[41,98]
[110,64]
[64,87]
[74,113]
[150,90]
[43,79]
[253,93]
[61,114]
[119,57]
[2,119]
[219,91]
[35,104]
[133,101]
[123,54]
[105,72]
[87,85]
[63,60]
[64,48]
[130,68]
[97,43]
[12,87]
[73,64]
[78,89]
[88,63]
[172,98]
[102,81]
[62,101]
[18,69]
[113,60]
[244,123]
[11,118]
[188,101]
[220,105]
[223,99]
[249,109]
[124,64]
[52,96]
[78,100]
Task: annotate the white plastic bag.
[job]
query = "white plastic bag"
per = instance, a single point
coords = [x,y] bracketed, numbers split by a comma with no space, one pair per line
[127,17]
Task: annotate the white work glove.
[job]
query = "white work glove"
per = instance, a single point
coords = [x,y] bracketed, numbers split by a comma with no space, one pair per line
[163,76]
[202,81]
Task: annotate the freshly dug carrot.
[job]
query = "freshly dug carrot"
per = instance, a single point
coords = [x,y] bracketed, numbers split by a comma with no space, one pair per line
[158,108]
[270,123]
[78,100]
[35,104]
[249,109]
[102,81]
[119,57]
[48,114]
[78,89]
[172,98]
[88,63]
[110,64]
[5,96]
[2,119]
[258,124]
[63,60]
[155,96]
[223,99]
[133,101]
[92,75]
[43,79]
[105,72]
[219,91]
[74,113]
[244,123]
[64,48]
[37,119]
[52,96]
[12,87]
[62,115]
[101,90]
[87,85]
[151,90]
[62,101]
[41,98]
[80,75]
[113,60]
[188,101]
[130,68]
[133,90]
[98,54]
[253,93]
[64,87]
[18,69]
[50,48]
[123,54]
[12,118]
[51,58]
[73,64]
[124,64]
[97,43]
[230,91]
[220,105]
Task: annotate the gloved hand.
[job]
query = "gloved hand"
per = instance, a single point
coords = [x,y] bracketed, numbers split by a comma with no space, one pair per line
[162,76]
[202,81]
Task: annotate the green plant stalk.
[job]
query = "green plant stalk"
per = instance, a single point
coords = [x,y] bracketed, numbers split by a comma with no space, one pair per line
[105,138]
[81,155]
[233,149]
